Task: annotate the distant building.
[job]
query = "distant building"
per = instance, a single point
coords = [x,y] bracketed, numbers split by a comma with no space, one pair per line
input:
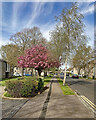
[6,70]
[27,71]
[72,70]
[89,71]
[91,68]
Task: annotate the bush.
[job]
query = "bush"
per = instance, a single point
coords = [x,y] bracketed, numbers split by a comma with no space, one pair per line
[27,87]
[40,84]
[13,87]
[6,94]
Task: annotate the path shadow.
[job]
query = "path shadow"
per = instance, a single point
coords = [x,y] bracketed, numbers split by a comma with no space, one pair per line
[44,109]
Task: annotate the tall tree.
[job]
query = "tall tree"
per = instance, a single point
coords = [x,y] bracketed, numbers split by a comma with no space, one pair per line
[20,42]
[80,59]
[69,33]
[10,53]
[28,37]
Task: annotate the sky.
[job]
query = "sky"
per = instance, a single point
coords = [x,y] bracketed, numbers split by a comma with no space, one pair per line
[19,15]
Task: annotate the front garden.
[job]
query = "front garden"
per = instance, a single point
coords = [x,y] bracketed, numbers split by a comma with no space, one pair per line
[26,86]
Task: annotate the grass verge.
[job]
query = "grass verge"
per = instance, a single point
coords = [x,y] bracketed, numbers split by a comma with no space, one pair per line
[66,89]
[6,94]
[47,80]
[2,82]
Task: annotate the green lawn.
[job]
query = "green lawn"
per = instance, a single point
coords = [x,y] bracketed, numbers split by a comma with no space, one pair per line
[5,79]
[66,89]
[2,83]
[47,80]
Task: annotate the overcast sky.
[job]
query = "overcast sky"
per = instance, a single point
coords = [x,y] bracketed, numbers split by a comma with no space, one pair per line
[19,15]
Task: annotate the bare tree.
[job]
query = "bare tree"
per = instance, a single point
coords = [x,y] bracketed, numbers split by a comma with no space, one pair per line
[10,53]
[69,33]
[27,38]
[80,59]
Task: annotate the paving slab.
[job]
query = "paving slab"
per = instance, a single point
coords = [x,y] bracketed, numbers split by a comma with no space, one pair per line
[52,103]
[66,106]
[33,108]
[11,106]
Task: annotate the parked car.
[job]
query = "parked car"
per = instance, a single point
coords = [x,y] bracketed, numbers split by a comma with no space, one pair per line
[67,74]
[80,75]
[17,74]
[62,75]
[75,76]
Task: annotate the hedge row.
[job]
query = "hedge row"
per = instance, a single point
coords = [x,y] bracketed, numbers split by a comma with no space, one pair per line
[24,88]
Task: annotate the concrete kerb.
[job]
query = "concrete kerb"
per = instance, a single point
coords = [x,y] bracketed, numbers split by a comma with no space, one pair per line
[11,98]
[84,102]
[45,93]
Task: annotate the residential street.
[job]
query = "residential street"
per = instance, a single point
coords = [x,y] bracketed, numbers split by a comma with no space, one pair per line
[83,87]
[54,104]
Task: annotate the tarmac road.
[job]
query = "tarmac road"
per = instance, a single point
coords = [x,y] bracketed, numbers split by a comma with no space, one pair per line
[83,87]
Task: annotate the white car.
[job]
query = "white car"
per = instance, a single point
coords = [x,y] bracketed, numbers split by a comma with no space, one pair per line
[80,75]
[17,74]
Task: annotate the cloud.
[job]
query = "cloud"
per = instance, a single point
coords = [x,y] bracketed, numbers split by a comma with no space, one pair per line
[16,11]
[89,30]
[50,26]
[3,41]
[47,0]
[38,8]
[15,24]
[88,9]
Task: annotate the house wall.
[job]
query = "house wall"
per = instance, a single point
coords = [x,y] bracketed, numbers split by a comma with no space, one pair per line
[0,70]
[5,69]
[75,71]
[82,72]
[91,69]
[27,71]
[17,71]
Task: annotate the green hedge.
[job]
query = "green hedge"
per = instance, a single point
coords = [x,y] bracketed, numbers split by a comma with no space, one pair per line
[40,84]
[24,88]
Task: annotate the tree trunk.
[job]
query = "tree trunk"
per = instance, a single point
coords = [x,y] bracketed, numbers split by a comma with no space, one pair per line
[45,73]
[65,71]
[32,71]
[39,72]
[23,72]
[79,71]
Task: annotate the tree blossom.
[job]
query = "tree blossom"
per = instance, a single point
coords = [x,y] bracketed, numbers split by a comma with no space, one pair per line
[37,57]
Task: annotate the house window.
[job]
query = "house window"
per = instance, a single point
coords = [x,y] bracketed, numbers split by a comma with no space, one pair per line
[6,66]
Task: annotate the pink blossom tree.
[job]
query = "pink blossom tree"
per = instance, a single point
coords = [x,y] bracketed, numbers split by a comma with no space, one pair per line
[37,57]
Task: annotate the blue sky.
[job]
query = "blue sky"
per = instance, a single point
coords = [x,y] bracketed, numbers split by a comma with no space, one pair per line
[19,15]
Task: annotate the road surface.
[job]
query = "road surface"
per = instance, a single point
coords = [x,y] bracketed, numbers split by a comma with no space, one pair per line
[83,87]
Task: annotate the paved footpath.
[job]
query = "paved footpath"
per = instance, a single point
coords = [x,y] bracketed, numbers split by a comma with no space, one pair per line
[53,104]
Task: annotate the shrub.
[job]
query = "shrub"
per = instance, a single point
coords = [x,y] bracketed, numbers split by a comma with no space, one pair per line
[13,87]
[27,87]
[40,84]
[6,94]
